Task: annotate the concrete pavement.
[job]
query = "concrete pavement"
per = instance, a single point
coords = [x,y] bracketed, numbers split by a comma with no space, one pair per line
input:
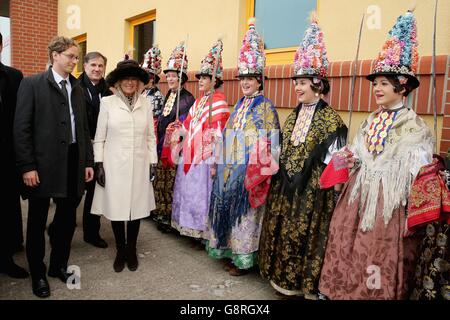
[168,269]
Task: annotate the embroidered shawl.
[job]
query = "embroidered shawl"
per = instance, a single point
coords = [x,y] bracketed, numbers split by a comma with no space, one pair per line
[229,198]
[409,141]
[429,200]
[198,143]
[297,162]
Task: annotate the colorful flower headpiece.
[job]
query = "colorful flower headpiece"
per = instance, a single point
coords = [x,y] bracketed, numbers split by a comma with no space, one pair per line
[208,63]
[399,54]
[152,60]
[251,55]
[311,57]
[176,58]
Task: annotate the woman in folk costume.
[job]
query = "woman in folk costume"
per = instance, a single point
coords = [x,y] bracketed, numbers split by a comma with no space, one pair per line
[124,151]
[429,215]
[239,188]
[165,176]
[298,212]
[152,64]
[193,181]
[369,254]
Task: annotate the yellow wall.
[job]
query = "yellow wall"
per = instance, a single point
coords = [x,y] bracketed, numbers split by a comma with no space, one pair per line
[340,21]
[105,22]
[107,29]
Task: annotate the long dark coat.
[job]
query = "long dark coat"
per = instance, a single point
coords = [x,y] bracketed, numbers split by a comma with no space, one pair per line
[11,232]
[42,134]
[92,109]
[10,79]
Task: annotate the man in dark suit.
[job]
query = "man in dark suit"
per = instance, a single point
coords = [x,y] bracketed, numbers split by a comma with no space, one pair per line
[11,232]
[54,155]
[94,88]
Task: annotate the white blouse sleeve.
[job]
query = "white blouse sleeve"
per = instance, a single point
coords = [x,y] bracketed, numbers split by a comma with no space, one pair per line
[423,158]
[332,149]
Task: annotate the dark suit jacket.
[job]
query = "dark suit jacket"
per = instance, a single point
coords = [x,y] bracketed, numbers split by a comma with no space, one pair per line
[10,79]
[92,109]
[42,133]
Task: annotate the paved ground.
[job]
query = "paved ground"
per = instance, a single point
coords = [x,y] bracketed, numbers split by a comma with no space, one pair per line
[169,269]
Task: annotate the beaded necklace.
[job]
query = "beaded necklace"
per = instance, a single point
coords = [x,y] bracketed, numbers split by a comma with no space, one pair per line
[304,120]
[169,104]
[199,109]
[240,119]
[379,130]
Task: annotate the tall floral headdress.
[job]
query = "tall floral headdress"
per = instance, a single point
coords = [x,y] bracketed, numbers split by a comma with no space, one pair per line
[399,55]
[311,57]
[251,55]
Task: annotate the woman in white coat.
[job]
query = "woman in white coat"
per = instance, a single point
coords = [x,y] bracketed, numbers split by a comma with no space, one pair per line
[125,156]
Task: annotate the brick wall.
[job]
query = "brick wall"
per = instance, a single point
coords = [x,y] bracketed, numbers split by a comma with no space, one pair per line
[33,24]
[279,88]
[445,142]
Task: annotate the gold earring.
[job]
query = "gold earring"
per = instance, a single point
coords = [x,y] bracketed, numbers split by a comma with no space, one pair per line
[316,94]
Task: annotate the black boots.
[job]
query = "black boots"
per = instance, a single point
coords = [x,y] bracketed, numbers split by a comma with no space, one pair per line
[127,255]
[119,235]
[119,261]
[132,260]
[132,234]
[126,249]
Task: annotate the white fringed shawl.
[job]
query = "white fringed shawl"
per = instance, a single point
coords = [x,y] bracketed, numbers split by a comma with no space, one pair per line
[408,147]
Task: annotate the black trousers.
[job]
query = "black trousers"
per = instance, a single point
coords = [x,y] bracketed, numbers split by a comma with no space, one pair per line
[61,229]
[91,222]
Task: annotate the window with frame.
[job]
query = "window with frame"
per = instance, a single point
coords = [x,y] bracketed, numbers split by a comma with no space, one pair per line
[4,8]
[282,24]
[5,29]
[142,34]
[82,43]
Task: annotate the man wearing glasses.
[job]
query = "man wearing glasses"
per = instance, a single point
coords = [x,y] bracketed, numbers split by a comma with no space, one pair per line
[54,155]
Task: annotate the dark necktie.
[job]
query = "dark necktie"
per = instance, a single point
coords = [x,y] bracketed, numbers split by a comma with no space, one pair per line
[95,96]
[66,95]
[64,90]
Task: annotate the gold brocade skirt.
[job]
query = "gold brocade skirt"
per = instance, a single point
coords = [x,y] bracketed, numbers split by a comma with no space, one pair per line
[163,189]
[294,236]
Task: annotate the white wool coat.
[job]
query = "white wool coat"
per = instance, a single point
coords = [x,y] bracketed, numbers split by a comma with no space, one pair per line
[126,144]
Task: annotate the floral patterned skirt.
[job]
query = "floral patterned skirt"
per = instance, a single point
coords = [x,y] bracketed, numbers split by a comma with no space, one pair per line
[294,237]
[243,243]
[377,264]
[191,199]
[432,279]
[163,189]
